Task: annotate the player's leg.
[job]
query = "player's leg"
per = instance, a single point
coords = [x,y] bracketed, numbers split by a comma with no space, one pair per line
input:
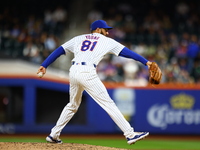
[95,88]
[70,109]
[98,92]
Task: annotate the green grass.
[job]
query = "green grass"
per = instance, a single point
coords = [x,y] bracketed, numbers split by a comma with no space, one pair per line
[121,143]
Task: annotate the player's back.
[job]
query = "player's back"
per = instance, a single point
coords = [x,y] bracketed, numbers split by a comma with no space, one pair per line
[92,47]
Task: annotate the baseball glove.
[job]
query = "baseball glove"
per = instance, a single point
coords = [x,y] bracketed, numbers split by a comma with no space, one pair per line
[155,73]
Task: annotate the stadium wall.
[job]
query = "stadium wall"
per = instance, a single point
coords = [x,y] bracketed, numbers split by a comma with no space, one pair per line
[32,105]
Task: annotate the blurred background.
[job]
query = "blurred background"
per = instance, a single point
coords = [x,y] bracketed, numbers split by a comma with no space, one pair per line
[162,31]
[167,32]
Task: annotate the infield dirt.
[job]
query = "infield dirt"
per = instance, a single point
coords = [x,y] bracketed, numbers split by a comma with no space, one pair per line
[49,146]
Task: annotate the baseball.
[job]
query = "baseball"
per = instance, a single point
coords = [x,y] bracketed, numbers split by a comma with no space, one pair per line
[40,74]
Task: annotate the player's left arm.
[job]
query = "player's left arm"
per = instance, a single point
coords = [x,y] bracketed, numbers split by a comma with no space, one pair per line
[131,54]
[155,73]
[50,59]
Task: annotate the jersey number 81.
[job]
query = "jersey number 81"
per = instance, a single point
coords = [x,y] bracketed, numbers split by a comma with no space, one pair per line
[88,45]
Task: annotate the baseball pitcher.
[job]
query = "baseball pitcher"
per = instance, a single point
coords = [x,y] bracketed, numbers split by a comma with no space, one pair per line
[89,50]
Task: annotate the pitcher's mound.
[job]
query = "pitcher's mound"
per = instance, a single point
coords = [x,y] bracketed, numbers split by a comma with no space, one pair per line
[49,146]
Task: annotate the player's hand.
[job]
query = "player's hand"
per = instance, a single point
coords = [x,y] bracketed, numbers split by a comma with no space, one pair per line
[148,64]
[41,71]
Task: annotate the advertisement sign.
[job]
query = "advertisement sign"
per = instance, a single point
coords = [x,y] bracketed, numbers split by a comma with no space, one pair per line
[168,111]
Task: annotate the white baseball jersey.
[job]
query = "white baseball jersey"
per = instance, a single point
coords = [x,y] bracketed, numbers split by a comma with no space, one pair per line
[88,50]
[91,48]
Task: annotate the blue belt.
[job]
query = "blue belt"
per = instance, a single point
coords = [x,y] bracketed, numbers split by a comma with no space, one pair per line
[81,63]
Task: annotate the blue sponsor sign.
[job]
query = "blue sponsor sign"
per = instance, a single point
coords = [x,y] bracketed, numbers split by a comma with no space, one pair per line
[167,111]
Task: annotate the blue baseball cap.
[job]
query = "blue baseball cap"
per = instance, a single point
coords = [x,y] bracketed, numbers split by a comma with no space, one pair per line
[99,24]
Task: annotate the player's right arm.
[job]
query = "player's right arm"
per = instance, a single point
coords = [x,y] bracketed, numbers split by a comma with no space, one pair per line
[50,59]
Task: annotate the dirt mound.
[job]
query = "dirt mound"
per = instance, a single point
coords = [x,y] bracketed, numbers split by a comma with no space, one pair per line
[49,146]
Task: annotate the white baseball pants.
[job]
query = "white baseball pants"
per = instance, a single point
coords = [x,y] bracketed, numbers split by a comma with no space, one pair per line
[82,78]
